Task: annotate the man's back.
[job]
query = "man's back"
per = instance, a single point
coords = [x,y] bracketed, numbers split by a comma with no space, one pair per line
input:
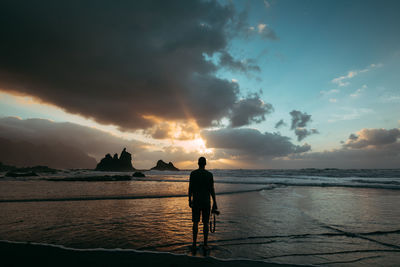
[201,185]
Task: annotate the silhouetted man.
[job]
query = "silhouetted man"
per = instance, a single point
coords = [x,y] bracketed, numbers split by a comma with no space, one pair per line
[201,186]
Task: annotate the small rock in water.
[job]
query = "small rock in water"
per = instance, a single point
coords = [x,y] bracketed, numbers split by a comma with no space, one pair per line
[138,174]
[19,174]
[162,166]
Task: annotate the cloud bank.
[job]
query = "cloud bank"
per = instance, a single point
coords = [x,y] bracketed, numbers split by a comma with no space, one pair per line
[368,148]
[68,145]
[123,63]
[94,142]
[373,138]
[248,144]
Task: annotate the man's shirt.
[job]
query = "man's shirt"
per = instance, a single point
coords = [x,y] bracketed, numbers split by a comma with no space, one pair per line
[201,185]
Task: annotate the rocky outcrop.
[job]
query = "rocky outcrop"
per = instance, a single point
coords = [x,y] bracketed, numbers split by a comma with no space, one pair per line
[103,178]
[162,166]
[40,169]
[138,174]
[121,164]
[4,167]
[20,174]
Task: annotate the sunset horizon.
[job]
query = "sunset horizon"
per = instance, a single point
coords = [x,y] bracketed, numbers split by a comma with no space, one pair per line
[241,85]
[200,133]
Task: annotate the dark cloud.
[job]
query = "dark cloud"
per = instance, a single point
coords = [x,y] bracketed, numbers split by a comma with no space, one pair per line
[301,149]
[250,143]
[226,60]
[353,137]
[373,137]
[248,110]
[299,119]
[280,124]
[118,63]
[302,133]
[299,122]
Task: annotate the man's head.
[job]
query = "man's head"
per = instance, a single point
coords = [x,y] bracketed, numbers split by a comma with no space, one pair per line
[202,162]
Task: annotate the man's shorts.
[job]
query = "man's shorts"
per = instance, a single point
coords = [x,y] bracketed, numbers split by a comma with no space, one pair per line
[205,214]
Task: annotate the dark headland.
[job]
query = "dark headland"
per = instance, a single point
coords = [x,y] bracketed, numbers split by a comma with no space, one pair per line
[162,166]
[123,163]
[13,171]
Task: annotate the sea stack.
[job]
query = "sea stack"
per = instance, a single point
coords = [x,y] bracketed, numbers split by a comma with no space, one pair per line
[162,166]
[121,164]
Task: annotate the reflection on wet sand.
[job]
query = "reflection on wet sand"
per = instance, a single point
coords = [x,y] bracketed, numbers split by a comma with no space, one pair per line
[286,224]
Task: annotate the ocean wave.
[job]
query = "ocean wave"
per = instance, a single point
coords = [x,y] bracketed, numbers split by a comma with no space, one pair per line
[370,186]
[274,238]
[123,197]
[333,253]
[265,186]
[112,257]
[393,185]
[376,182]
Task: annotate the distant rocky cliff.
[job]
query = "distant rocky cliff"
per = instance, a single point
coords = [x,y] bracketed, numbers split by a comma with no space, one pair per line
[162,166]
[56,155]
[123,163]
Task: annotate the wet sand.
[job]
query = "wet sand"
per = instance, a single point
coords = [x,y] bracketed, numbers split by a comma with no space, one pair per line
[26,254]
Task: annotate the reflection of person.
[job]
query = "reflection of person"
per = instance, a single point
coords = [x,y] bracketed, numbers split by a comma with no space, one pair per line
[201,186]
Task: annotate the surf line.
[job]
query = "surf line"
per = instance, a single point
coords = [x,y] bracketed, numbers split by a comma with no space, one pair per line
[126,197]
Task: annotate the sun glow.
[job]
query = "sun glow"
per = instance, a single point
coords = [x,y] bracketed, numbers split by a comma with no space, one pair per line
[184,134]
[200,146]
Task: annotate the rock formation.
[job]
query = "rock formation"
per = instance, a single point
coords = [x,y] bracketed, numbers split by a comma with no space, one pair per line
[138,174]
[162,166]
[103,178]
[20,174]
[123,163]
[39,169]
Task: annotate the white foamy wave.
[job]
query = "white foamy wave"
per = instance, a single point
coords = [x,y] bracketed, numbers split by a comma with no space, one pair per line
[123,197]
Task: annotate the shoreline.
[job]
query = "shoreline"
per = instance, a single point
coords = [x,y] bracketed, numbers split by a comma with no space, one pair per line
[37,254]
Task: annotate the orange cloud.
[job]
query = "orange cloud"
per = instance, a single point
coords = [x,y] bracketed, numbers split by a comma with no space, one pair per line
[173,130]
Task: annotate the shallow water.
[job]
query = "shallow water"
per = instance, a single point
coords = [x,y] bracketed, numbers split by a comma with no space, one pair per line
[275,217]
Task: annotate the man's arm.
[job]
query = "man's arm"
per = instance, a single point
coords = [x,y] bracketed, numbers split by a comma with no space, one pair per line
[190,193]
[212,192]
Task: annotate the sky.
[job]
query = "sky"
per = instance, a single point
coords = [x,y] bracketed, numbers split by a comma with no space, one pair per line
[248,84]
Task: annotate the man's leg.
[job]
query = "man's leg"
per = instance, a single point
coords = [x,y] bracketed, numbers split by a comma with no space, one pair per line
[195,230]
[195,220]
[205,233]
[205,214]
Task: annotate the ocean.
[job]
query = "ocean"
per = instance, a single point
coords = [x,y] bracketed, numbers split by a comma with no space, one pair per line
[311,216]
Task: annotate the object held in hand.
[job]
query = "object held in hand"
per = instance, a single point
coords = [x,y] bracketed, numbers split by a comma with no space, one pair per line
[215,211]
[213,220]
